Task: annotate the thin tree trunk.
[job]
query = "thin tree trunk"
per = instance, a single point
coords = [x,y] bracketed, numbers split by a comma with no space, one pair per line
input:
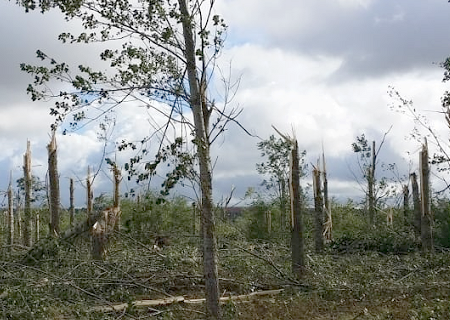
[28,223]
[72,204]
[10,213]
[54,186]
[427,220]
[371,186]
[416,205]
[19,219]
[194,218]
[406,205]
[201,116]
[116,204]
[89,193]
[328,232]
[318,206]
[297,245]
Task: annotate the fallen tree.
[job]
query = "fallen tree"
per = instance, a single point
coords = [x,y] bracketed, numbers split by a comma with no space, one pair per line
[180,299]
[101,226]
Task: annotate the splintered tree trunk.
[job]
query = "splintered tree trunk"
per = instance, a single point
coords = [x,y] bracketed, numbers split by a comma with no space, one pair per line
[106,222]
[297,245]
[28,222]
[318,208]
[371,186]
[328,232]
[72,204]
[201,118]
[427,219]
[417,208]
[54,186]
[10,241]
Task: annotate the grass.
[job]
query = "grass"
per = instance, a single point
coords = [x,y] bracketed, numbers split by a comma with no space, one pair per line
[66,284]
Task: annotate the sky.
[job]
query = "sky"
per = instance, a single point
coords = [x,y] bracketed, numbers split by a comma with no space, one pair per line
[319,69]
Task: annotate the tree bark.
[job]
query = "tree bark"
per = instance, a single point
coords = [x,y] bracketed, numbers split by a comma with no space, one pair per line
[107,222]
[54,186]
[427,219]
[416,206]
[406,205]
[318,214]
[371,186]
[199,111]
[297,245]
[328,232]
[28,223]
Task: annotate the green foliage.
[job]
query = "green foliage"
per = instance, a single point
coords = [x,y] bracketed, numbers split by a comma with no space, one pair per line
[254,220]
[352,234]
[441,212]
[151,216]
[276,167]
[38,188]
[67,283]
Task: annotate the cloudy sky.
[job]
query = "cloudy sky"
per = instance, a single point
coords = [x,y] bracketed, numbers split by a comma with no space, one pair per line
[320,68]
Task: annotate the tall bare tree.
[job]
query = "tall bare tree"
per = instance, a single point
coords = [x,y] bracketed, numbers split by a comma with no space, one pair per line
[427,217]
[318,210]
[28,222]
[54,200]
[297,242]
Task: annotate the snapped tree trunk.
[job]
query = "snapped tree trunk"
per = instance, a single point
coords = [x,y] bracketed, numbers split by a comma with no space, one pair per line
[328,226]
[28,221]
[54,186]
[371,186]
[318,211]
[427,219]
[297,245]
[417,208]
[201,116]
[106,222]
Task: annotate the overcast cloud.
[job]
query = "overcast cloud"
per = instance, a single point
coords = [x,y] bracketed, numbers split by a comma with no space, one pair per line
[322,68]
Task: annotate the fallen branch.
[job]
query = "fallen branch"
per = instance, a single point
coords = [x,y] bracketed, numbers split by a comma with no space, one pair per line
[180,299]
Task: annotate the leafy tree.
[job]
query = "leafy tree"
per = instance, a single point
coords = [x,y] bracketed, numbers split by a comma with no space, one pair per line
[276,168]
[374,189]
[165,59]
[39,189]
